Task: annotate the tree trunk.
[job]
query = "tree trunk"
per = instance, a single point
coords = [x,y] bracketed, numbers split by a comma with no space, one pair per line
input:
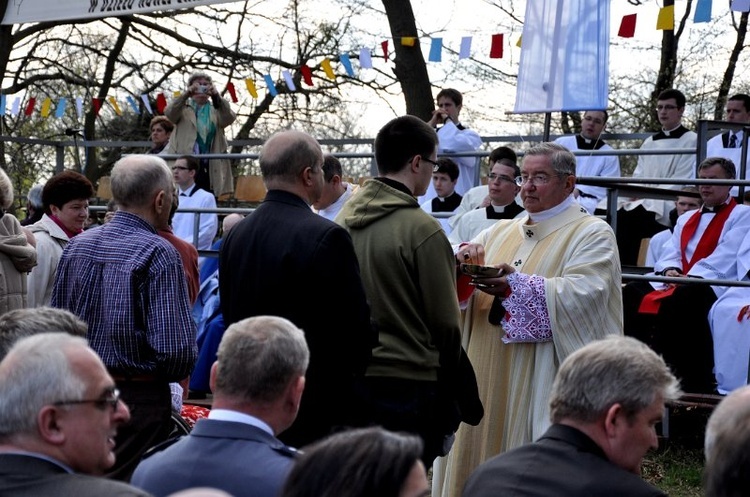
[726,83]
[410,68]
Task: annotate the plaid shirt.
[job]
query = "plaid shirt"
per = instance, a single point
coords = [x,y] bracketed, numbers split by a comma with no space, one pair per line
[128,284]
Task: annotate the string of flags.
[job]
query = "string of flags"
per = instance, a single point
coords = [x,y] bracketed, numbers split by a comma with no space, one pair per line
[48,107]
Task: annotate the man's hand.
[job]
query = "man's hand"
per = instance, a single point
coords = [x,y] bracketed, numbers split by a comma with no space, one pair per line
[497,285]
[438,117]
[470,253]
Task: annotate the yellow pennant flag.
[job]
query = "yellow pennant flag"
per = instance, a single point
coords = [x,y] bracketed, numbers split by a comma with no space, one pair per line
[665,21]
[408,41]
[113,102]
[250,84]
[326,65]
[46,105]
[518,43]
[176,93]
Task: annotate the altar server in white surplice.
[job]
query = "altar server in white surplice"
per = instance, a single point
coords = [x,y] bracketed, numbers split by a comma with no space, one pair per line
[729,143]
[730,328]
[607,166]
[560,290]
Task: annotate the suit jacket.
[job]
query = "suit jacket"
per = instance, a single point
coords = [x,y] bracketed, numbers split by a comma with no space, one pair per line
[24,475]
[284,260]
[564,462]
[235,457]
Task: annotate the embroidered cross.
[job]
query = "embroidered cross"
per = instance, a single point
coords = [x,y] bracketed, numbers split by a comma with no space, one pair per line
[583,210]
[517,263]
[529,233]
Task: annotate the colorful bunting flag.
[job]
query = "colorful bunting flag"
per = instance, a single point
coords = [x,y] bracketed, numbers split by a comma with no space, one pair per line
[326,65]
[2,105]
[741,5]
[627,26]
[518,43]
[133,104]
[147,103]
[16,107]
[347,63]
[288,80]
[97,103]
[702,11]
[30,107]
[306,74]
[115,105]
[384,46]
[665,21]
[60,109]
[79,107]
[365,59]
[465,51]
[161,103]
[496,51]
[436,50]
[271,86]
[408,41]
[46,106]
[232,91]
[250,85]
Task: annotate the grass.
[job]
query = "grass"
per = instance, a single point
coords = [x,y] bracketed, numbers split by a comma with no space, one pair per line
[677,466]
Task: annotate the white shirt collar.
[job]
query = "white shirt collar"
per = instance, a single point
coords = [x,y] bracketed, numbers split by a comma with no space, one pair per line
[552,212]
[238,417]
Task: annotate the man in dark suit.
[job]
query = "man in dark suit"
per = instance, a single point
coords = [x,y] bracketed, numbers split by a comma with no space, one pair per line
[284,260]
[257,383]
[605,401]
[59,413]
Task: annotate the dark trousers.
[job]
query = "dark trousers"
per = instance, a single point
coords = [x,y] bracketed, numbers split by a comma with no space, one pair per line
[632,227]
[203,176]
[679,332]
[404,405]
[150,405]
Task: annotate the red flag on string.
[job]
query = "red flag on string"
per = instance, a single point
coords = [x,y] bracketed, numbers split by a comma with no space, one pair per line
[384,45]
[161,103]
[496,51]
[232,91]
[306,74]
[30,107]
[627,26]
[97,103]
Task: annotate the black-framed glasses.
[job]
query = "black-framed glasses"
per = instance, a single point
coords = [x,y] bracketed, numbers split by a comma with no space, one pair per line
[435,165]
[112,399]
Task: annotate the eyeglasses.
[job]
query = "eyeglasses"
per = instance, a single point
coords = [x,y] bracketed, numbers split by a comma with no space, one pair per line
[435,165]
[112,400]
[179,168]
[501,177]
[536,180]
[666,107]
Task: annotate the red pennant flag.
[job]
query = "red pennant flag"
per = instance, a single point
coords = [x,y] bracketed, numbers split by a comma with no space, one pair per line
[496,51]
[232,91]
[384,45]
[161,103]
[627,26]
[97,103]
[306,74]
[30,107]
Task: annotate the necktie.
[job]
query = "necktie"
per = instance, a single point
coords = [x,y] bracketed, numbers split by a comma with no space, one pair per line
[732,140]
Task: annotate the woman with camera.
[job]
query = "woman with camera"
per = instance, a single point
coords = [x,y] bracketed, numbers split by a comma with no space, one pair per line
[200,115]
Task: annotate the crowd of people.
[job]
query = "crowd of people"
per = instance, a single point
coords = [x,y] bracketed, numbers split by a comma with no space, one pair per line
[346,344]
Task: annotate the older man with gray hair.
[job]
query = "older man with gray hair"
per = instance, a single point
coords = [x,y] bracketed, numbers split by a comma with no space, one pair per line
[557,289]
[129,285]
[257,383]
[605,401]
[59,412]
[22,323]
[727,442]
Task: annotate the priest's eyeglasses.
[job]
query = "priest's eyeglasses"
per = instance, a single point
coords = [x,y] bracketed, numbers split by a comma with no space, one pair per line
[536,180]
[501,177]
[111,399]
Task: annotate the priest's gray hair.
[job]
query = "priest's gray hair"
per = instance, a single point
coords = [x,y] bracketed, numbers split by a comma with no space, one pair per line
[730,170]
[35,373]
[563,161]
[614,370]
[258,357]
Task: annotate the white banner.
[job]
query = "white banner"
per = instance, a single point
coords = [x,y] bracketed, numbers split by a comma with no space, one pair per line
[564,63]
[19,11]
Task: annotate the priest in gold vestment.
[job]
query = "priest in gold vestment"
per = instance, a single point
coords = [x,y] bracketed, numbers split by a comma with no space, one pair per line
[560,289]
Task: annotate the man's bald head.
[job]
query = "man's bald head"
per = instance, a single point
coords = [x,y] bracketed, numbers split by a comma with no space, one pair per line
[286,154]
[137,178]
[230,222]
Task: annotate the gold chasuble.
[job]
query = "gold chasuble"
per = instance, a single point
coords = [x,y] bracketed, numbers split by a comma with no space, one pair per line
[576,254]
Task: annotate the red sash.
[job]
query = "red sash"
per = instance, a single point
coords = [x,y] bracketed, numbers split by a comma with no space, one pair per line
[706,245]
